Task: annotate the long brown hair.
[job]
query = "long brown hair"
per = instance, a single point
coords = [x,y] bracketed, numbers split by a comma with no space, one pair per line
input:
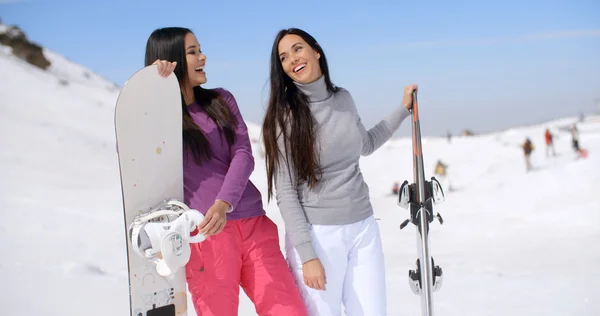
[169,44]
[288,107]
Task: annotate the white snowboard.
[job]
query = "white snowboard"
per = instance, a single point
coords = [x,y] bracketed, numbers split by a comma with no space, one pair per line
[148,126]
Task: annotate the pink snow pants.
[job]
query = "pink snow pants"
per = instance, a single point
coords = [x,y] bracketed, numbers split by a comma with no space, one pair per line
[247,254]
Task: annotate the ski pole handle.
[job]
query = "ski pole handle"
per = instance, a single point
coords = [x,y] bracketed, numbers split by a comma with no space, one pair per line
[415,108]
[414,95]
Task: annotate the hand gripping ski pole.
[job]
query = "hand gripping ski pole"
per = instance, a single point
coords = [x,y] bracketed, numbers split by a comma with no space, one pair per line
[163,235]
[427,277]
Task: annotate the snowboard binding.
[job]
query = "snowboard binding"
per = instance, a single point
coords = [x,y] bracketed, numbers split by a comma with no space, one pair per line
[162,235]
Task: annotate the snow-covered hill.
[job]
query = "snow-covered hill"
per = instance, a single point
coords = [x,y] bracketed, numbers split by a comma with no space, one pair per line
[513,243]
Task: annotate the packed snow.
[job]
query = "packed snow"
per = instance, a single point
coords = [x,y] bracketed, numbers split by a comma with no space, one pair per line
[512,243]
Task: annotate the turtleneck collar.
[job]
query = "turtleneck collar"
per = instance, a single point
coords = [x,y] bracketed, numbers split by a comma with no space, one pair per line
[316,90]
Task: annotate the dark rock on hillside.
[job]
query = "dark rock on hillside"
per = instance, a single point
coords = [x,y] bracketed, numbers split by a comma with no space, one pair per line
[31,52]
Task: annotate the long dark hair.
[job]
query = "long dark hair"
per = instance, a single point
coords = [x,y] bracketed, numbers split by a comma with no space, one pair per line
[169,44]
[288,105]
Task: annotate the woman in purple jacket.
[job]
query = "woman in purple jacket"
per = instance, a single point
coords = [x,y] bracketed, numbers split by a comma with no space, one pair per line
[242,246]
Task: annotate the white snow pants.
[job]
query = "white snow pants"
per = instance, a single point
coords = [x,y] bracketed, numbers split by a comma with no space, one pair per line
[352,257]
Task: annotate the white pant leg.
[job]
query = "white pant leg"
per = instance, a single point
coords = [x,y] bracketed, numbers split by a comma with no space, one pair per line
[332,252]
[364,287]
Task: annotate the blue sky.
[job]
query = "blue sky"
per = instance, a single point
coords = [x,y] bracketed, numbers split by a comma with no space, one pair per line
[483,65]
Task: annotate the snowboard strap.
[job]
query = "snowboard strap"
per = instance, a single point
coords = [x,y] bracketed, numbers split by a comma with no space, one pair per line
[163,235]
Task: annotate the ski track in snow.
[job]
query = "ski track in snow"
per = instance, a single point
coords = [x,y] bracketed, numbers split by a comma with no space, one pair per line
[513,243]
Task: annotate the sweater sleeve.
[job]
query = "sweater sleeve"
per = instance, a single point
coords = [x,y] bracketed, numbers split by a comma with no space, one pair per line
[382,131]
[292,212]
[242,161]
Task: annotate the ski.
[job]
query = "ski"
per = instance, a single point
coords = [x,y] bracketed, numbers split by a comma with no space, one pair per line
[420,196]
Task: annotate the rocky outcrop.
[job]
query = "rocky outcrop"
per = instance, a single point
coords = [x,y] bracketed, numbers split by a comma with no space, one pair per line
[468,132]
[15,38]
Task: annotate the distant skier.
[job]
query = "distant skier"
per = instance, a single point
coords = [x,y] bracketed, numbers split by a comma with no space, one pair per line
[440,168]
[441,175]
[549,143]
[527,149]
[575,137]
[575,140]
[395,188]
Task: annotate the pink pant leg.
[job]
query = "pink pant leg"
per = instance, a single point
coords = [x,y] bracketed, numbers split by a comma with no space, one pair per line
[213,273]
[266,277]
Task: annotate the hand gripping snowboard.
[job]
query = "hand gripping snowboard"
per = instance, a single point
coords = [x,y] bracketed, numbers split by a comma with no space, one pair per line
[148,126]
[420,196]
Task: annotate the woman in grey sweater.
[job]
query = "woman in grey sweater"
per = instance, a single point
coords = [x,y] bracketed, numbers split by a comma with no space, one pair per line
[313,139]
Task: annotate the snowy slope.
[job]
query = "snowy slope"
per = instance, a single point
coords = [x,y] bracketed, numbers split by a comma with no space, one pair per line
[513,243]
[65,69]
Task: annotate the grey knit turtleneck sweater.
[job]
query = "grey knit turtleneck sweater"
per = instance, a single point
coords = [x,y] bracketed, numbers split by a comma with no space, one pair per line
[342,196]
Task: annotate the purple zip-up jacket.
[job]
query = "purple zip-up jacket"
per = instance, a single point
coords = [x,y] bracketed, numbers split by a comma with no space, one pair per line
[225,176]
